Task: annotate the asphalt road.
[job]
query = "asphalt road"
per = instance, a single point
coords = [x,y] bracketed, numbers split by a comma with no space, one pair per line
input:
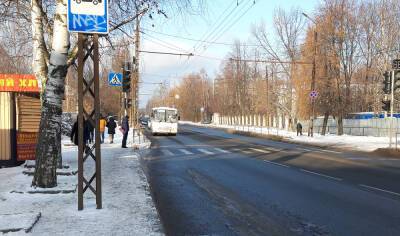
[207,182]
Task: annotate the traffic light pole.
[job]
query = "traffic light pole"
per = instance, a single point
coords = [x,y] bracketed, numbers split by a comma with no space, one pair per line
[391,110]
[125,103]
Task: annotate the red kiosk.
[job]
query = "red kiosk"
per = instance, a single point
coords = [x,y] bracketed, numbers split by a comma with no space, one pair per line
[20,109]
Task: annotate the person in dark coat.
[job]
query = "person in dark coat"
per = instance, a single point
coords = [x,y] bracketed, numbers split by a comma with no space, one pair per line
[91,131]
[299,128]
[125,130]
[111,125]
[75,134]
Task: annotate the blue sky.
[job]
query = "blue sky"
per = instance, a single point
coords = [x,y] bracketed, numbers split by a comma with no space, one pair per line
[239,20]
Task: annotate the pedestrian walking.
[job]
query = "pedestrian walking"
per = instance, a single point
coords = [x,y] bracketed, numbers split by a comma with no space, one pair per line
[102,125]
[299,128]
[111,125]
[75,132]
[125,130]
[90,130]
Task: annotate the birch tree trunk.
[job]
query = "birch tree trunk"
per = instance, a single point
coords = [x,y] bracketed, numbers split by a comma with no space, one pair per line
[47,149]
[39,46]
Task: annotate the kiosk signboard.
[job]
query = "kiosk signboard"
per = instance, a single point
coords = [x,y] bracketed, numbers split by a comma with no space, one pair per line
[18,83]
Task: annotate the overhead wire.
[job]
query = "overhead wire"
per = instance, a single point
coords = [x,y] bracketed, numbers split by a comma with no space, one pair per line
[213,29]
[168,45]
[216,21]
[199,40]
[230,25]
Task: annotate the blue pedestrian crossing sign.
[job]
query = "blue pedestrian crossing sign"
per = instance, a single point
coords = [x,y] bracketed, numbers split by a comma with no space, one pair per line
[115,79]
[88,16]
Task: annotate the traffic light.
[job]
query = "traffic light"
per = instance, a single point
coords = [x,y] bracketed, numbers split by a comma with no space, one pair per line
[387,83]
[386,105]
[127,103]
[396,80]
[126,77]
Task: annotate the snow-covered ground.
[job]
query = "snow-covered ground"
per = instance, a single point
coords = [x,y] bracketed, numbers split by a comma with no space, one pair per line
[360,143]
[128,208]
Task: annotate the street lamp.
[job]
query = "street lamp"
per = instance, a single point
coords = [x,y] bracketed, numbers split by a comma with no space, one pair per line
[311,129]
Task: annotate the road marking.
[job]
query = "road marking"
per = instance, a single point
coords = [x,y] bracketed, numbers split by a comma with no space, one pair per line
[245,151]
[260,150]
[332,151]
[241,150]
[378,189]
[236,149]
[186,151]
[322,175]
[274,149]
[305,149]
[373,159]
[319,151]
[275,163]
[205,151]
[167,152]
[222,150]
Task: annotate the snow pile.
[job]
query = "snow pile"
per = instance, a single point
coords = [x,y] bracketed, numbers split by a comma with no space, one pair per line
[361,143]
[128,208]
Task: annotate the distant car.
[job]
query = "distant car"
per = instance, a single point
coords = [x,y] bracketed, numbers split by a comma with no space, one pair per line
[95,2]
[144,121]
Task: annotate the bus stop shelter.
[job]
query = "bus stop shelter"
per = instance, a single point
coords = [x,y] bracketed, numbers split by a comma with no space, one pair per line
[20,109]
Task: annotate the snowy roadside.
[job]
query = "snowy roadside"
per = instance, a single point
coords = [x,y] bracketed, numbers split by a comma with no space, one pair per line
[359,143]
[128,208]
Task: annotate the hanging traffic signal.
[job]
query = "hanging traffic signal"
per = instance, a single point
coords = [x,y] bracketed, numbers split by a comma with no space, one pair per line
[127,103]
[126,77]
[396,80]
[387,83]
[386,105]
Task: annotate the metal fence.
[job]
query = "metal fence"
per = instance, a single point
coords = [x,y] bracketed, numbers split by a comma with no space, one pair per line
[368,127]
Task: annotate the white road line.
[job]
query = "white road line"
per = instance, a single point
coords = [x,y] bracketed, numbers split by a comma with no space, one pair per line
[305,149]
[319,151]
[241,150]
[245,151]
[273,149]
[222,150]
[260,150]
[326,176]
[205,151]
[236,149]
[332,151]
[373,159]
[275,163]
[378,189]
[186,151]
[167,152]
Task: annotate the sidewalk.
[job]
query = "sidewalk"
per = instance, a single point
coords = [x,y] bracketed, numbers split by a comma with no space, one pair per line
[128,208]
[359,143]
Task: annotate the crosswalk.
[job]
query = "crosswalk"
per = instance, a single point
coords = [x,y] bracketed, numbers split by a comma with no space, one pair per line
[214,151]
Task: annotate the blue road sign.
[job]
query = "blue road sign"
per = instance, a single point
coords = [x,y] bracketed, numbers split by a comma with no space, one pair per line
[313,94]
[114,79]
[88,16]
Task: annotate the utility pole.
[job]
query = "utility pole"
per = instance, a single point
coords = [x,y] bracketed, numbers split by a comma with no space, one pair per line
[135,81]
[267,82]
[311,130]
[391,109]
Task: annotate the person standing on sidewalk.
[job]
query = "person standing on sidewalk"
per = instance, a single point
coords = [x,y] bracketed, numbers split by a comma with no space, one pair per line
[75,134]
[125,130]
[299,129]
[103,124]
[111,125]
